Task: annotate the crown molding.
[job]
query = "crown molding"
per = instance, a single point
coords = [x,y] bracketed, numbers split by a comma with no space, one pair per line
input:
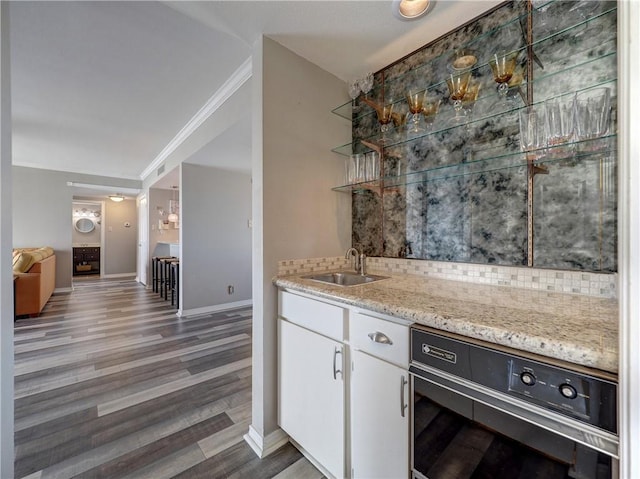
[233,83]
[119,189]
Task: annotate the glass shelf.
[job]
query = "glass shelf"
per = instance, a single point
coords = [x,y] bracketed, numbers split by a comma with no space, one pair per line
[568,154]
[400,138]
[610,9]
[517,23]
[346,111]
[478,39]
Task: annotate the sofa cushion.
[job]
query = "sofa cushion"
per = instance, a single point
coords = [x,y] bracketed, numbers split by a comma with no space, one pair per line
[26,257]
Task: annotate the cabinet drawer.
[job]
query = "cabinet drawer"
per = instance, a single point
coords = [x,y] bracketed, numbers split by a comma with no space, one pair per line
[323,318]
[368,334]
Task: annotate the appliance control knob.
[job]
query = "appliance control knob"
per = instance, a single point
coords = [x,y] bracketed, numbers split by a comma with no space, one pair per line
[568,391]
[528,378]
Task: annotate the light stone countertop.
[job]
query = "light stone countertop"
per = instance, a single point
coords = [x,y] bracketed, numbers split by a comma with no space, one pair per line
[578,329]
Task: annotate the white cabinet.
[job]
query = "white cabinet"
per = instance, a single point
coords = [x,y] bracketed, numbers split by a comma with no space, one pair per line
[311,405]
[379,397]
[321,404]
[379,419]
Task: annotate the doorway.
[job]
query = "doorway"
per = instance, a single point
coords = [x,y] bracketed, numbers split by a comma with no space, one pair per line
[143,239]
[88,238]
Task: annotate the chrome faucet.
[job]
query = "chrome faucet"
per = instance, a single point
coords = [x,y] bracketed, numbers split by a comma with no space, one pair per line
[360,260]
[356,254]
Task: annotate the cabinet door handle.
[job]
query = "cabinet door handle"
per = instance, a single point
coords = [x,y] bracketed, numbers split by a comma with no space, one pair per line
[403,406]
[380,338]
[336,351]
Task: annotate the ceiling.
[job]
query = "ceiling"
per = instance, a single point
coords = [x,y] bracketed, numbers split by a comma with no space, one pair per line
[103,87]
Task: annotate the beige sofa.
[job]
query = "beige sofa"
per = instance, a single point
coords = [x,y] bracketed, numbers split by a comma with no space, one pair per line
[35,269]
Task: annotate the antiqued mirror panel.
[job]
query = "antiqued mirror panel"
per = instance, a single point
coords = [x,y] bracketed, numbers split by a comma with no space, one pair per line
[472,170]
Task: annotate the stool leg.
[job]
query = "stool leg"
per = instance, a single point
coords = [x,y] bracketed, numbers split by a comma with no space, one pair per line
[172,283]
[154,274]
[162,279]
[166,282]
[163,285]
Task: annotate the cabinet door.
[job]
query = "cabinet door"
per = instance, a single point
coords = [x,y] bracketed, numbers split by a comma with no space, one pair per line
[92,254]
[379,419]
[311,394]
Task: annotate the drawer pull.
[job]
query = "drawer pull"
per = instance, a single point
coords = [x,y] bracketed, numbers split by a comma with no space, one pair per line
[381,338]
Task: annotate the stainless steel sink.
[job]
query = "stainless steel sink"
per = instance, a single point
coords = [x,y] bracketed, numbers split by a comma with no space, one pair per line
[345,278]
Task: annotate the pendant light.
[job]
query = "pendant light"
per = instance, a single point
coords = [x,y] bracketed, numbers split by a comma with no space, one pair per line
[173,216]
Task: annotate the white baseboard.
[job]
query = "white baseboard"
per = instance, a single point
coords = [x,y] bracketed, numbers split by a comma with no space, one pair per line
[263,446]
[118,275]
[215,308]
[62,290]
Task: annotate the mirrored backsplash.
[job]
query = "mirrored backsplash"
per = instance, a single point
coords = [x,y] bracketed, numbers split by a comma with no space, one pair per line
[477,182]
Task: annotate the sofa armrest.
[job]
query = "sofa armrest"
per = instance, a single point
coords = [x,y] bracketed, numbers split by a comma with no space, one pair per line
[27,293]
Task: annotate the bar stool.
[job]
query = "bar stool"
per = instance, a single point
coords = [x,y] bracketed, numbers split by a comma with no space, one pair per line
[175,283]
[164,276]
[155,271]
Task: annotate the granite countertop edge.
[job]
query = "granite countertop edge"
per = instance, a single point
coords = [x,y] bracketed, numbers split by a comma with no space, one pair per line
[465,317]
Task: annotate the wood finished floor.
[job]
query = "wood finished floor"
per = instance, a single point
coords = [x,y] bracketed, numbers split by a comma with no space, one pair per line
[109,383]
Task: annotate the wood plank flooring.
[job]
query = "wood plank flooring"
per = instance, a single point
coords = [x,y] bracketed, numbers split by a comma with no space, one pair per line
[455,447]
[109,383]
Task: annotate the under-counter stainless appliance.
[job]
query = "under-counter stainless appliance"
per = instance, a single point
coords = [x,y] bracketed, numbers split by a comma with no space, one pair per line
[487,412]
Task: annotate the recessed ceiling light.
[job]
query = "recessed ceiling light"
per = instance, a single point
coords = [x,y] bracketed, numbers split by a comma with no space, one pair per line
[410,9]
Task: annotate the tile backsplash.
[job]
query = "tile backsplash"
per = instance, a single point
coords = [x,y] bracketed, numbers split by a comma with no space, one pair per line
[576,282]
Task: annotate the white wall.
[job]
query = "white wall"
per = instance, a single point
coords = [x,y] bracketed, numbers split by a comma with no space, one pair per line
[41,210]
[120,241]
[295,213]
[215,237]
[6,240]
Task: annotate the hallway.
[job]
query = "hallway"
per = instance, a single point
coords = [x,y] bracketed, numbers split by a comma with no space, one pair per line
[109,383]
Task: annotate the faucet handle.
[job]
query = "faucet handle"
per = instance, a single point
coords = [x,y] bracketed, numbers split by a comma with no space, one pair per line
[363,264]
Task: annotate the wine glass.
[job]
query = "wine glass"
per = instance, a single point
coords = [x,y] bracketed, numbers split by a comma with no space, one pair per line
[463,59]
[458,84]
[470,96]
[430,110]
[385,115]
[503,65]
[366,83]
[354,92]
[415,99]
